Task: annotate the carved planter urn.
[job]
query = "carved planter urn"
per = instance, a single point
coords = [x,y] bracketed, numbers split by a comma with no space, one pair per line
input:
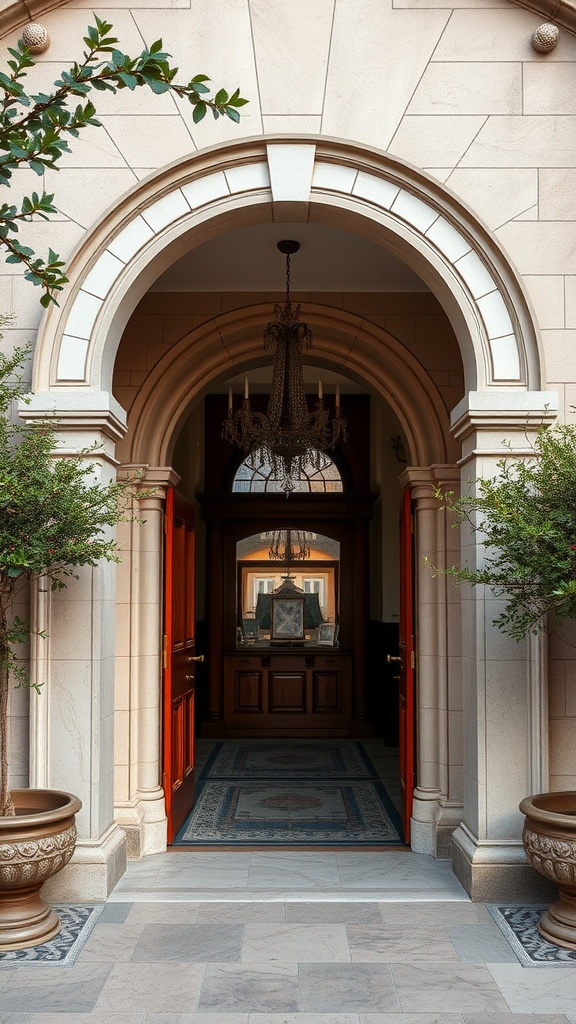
[34,844]
[549,839]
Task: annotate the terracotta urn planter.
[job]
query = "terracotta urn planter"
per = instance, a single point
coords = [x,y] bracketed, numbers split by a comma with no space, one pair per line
[34,844]
[549,839]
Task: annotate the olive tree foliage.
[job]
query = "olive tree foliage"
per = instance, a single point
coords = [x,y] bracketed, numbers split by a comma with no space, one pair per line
[525,517]
[35,130]
[55,515]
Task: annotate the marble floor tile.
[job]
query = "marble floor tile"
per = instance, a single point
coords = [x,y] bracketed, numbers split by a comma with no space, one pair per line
[481,944]
[87,1018]
[303,1018]
[536,990]
[346,988]
[115,913]
[196,1018]
[52,991]
[514,1018]
[441,914]
[242,912]
[453,988]
[16,1018]
[152,987]
[410,1018]
[163,913]
[250,988]
[338,913]
[372,944]
[189,943]
[293,870]
[110,943]
[295,942]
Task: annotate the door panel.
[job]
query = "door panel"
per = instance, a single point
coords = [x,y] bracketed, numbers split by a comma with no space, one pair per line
[179,667]
[407,661]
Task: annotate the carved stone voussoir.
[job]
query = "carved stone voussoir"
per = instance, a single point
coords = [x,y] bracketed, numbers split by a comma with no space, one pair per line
[35,860]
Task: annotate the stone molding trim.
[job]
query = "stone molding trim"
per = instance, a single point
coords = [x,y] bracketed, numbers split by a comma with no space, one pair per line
[290,178]
[561,12]
[365,352]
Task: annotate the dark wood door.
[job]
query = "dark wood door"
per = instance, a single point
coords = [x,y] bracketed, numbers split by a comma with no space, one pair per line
[407,661]
[180,659]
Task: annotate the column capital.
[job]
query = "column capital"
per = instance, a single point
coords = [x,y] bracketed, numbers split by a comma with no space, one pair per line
[145,476]
[425,479]
[77,411]
[498,410]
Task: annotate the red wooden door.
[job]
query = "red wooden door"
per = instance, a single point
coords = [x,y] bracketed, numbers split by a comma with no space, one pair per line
[407,662]
[179,660]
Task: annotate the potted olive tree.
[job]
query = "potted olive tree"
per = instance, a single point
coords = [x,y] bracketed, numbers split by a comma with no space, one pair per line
[54,515]
[526,515]
[54,518]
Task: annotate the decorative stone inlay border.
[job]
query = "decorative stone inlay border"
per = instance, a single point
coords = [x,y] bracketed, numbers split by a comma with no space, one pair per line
[300,179]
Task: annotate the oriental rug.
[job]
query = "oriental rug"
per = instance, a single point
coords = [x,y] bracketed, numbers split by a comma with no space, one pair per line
[519,924]
[291,793]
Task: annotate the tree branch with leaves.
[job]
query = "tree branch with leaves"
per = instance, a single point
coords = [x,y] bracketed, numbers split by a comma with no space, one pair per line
[526,519]
[35,129]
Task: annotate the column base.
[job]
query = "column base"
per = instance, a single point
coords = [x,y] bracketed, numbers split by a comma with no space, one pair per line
[492,872]
[95,868]
[432,824]
[145,824]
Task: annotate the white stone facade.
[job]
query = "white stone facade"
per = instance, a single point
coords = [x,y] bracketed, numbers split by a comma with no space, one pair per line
[431,128]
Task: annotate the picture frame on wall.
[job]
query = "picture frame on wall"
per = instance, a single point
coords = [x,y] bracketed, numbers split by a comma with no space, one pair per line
[327,633]
[287,618]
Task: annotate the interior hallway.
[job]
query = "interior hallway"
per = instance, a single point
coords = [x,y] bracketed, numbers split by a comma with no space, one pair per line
[276,937]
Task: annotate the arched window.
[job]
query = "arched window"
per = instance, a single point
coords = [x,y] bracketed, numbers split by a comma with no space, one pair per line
[248,478]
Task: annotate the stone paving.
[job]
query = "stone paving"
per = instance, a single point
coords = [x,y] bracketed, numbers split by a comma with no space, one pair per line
[279,937]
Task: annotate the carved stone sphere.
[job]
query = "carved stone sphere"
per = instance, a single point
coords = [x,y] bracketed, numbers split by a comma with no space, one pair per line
[35,37]
[545,38]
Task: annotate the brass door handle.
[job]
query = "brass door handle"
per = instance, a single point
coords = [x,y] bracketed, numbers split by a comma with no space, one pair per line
[196,657]
[393,657]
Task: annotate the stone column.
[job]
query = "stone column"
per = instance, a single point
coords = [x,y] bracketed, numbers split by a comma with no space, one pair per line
[502,680]
[139,796]
[72,718]
[437,797]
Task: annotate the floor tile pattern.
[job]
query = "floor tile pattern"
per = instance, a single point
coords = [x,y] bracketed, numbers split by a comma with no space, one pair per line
[520,926]
[77,922]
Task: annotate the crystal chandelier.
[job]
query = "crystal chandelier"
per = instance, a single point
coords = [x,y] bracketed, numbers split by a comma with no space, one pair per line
[289,546]
[288,437]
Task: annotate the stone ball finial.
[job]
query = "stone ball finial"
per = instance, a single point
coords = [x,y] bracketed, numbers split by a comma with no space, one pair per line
[35,37]
[545,38]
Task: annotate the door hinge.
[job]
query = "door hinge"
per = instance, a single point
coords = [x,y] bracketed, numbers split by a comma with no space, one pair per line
[412,660]
[165,651]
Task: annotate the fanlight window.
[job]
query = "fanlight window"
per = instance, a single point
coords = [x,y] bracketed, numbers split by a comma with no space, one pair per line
[255,474]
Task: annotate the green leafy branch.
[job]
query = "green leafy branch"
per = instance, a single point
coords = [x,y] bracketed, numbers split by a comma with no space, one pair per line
[35,128]
[526,519]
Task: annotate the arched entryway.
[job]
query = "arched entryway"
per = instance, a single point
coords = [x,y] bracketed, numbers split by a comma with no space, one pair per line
[368,194]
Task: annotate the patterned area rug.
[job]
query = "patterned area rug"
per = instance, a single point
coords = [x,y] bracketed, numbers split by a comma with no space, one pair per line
[285,792]
[289,760]
[519,924]
[61,951]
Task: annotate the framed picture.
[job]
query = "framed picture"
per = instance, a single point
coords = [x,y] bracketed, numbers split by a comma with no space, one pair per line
[327,633]
[287,618]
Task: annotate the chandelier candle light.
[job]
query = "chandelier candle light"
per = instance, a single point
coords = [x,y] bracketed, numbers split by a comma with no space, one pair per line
[288,437]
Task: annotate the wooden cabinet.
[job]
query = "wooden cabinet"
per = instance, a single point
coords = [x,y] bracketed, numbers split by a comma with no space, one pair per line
[296,693]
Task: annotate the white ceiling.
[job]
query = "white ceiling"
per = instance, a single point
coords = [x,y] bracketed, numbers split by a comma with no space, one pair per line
[330,260]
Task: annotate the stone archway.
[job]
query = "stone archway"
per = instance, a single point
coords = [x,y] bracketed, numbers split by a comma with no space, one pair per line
[416,218]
